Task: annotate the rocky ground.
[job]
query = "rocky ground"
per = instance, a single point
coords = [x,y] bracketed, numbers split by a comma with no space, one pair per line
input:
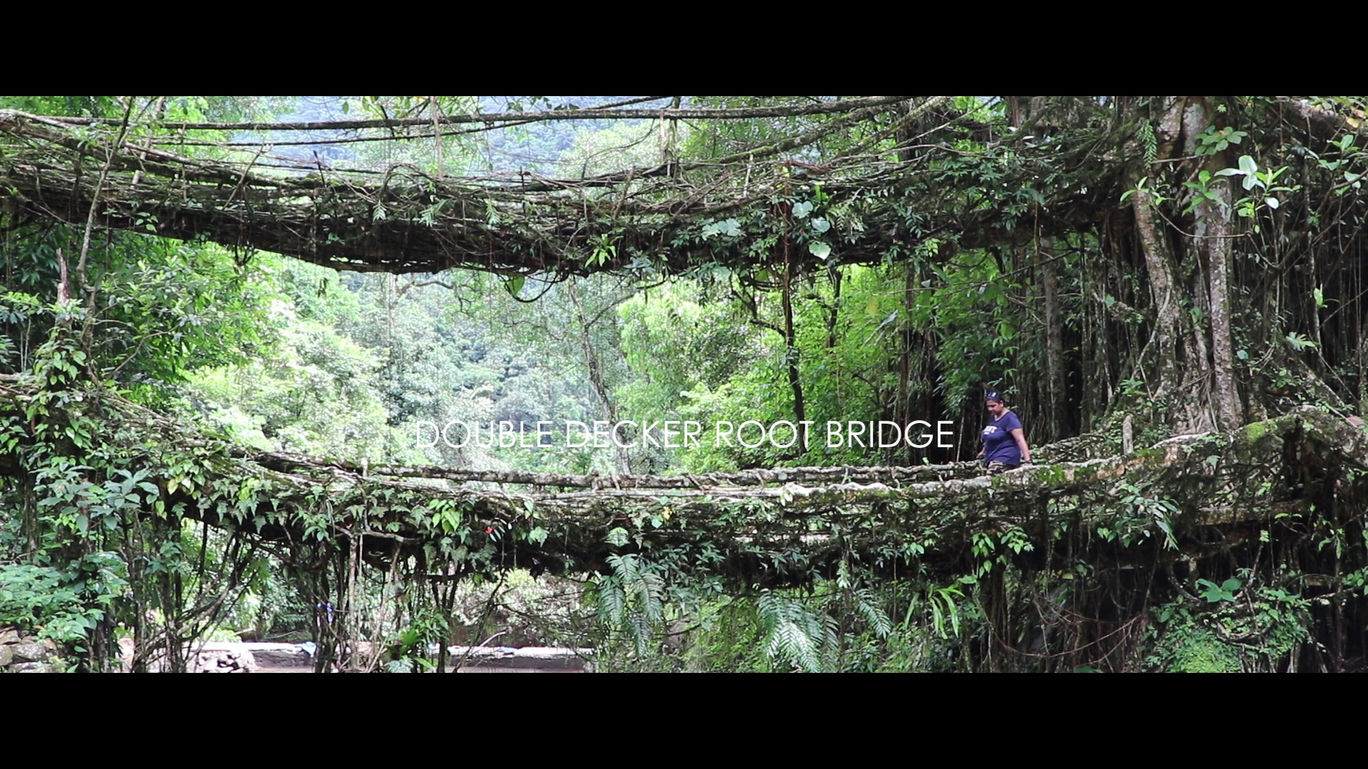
[27,654]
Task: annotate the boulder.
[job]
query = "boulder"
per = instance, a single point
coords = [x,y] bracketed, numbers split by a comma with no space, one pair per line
[33,667]
[30,650]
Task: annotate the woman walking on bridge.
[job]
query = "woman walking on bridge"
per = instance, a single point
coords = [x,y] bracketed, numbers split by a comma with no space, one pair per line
[1004,442]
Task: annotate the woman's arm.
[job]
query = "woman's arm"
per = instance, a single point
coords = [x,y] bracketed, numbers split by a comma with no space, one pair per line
[1020,438]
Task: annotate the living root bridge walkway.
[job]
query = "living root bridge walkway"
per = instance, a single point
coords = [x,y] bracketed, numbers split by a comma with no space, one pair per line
[403,220]
[753,528]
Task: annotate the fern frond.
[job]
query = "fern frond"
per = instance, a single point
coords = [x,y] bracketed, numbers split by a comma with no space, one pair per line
[867,607]
[796,636]
[612,602]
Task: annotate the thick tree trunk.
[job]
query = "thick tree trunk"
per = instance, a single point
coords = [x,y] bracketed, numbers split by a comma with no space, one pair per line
[1194,360]
[1164,340]
[1159,262]
[1212,231]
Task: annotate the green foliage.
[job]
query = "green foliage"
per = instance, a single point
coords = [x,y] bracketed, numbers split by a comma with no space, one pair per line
[312,394]
[725,638]
[1138,515]
[1261,184]
[276,355]
[708,360]
[631,600]
[1217,593]
[1297,342]
[63,604]
[1191,648]
[409,651]
[1215,140]
[943,604]
[795,637]
[519,610]
[620,147]
[837,626]
[1244,626]
[965,304]
[416,147]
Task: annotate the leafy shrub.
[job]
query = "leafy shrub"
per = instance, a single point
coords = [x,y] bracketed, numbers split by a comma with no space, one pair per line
[62,606]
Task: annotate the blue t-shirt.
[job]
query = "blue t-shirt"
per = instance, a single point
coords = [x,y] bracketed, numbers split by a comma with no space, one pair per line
[998,443]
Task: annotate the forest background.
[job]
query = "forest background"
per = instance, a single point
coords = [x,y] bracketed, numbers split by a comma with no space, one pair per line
[1124,269]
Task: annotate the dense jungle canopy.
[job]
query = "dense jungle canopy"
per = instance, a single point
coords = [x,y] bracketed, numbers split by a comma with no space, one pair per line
[235,328]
